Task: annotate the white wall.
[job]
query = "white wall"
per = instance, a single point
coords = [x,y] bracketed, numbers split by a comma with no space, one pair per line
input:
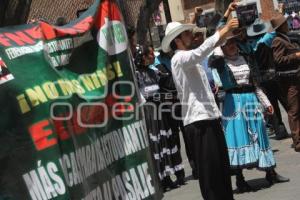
[275,2]
[176,9]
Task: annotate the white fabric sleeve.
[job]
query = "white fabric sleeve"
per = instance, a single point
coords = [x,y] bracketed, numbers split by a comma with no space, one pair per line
[263,99]
[142,99]
[195,56]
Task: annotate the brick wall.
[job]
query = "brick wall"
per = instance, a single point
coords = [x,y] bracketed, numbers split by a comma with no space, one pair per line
[206,6]
[189,4]
[268,10]
[267,7]
[132,10]
[51,10]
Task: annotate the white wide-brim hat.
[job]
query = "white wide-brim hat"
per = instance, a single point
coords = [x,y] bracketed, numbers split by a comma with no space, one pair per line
[172,31]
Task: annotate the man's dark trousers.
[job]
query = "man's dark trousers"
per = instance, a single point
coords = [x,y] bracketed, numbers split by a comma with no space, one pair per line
[209,149]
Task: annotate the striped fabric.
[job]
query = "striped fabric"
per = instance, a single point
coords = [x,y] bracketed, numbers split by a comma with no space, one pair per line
[163,138]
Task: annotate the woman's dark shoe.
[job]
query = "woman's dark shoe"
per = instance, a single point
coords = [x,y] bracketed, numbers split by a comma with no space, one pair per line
[180,181]
[241,184]
[281,133]
[272,177]
[167,183]
[281,136]
[180,175]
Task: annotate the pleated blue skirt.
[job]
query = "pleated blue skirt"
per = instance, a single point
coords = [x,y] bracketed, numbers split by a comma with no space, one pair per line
[245,132]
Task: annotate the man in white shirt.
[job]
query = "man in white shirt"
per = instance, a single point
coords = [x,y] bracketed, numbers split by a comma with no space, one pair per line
[200,112]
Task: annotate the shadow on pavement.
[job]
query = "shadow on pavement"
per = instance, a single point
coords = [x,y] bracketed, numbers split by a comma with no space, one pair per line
[275,150]
[189,178]
[274,137]
[256,184]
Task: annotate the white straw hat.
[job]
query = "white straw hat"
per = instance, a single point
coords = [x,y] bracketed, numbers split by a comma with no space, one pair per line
[172,31]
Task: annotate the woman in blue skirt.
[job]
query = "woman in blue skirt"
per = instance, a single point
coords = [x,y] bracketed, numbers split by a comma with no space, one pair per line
[243,116]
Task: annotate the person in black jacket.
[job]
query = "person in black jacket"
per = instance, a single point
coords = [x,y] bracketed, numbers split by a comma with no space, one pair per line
[267,76]
[163,137]
[287,62]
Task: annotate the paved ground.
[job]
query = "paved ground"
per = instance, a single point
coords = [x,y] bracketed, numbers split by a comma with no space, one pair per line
[288,164]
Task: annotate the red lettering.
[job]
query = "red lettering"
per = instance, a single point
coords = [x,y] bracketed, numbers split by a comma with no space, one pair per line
[80,27]
[84,25]
[61,130]
[40,134]
[20,38]
[128,99]
[66,31]
[76,127]
[4,41]
[92,114]
[35,32]
[130,108]
[72,126]
[84,115]
[110,100]
[48,30]
[98,114]
[119,109]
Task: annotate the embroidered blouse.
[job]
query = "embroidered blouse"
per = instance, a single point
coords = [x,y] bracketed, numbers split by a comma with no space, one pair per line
[237,73]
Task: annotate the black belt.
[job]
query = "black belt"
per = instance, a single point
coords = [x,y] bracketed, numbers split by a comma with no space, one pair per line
[244,89]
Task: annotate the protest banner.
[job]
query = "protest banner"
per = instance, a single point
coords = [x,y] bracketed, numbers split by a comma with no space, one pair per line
[70,124]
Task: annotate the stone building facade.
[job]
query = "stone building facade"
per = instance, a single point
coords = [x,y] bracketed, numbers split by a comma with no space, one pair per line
[190,4]
[267,8]
[14,12]
[51,10]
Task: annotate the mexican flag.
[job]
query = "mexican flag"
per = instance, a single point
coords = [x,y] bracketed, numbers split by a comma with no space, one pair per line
[70,123]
